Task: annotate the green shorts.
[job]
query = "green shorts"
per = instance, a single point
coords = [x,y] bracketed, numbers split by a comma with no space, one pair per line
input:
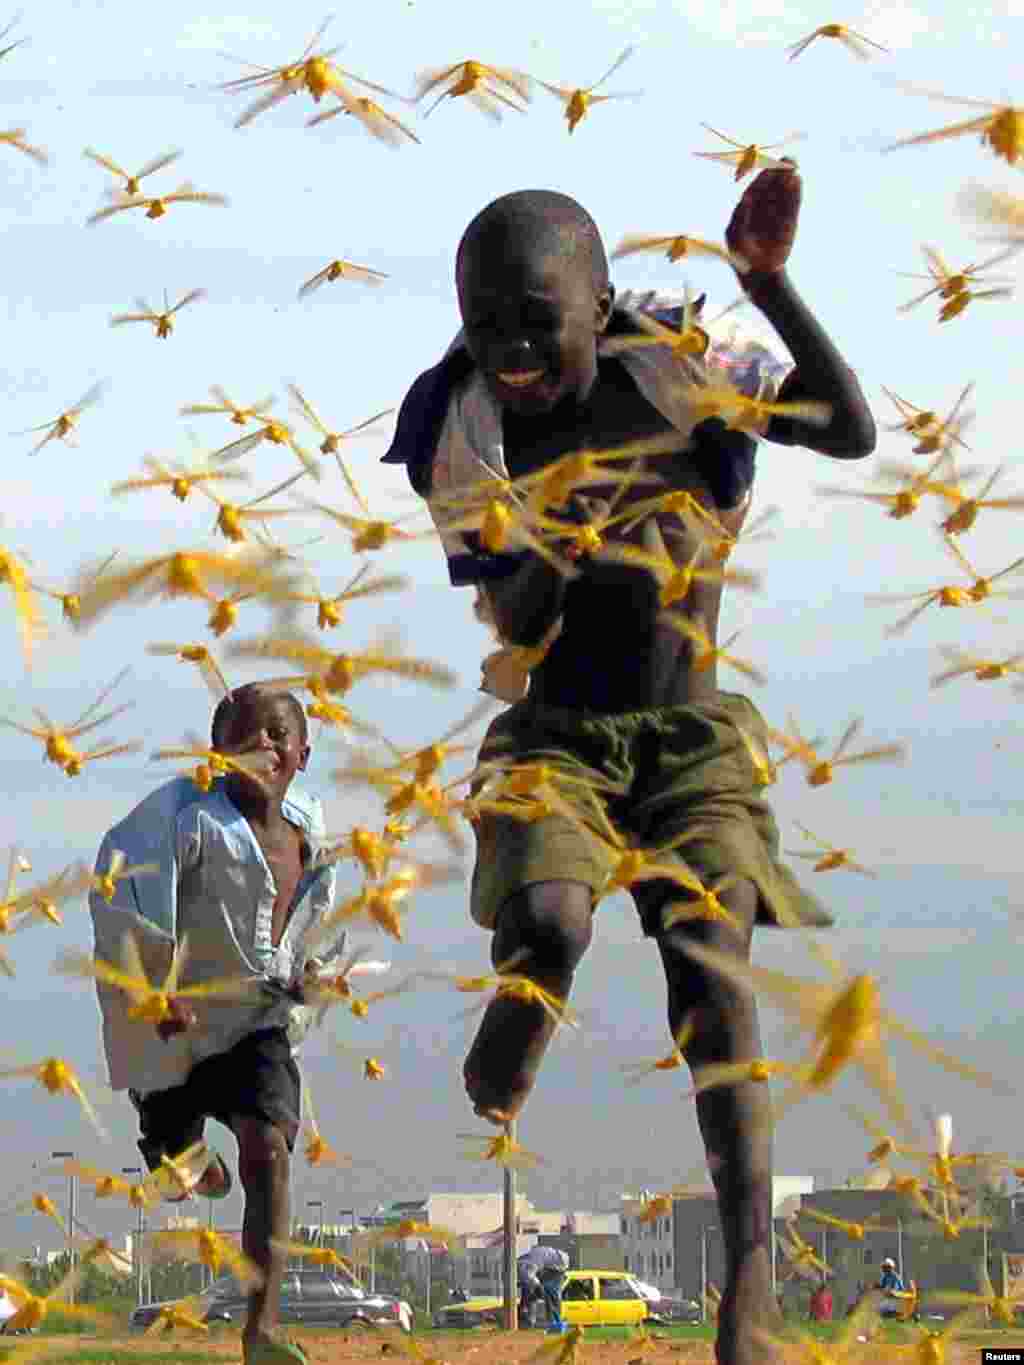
[682,768]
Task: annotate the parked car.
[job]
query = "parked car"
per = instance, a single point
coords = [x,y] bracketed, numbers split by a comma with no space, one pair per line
[7,1310]
[314,1298]
[482,1311]
[668,1307]
[589,1298]
[605,1297]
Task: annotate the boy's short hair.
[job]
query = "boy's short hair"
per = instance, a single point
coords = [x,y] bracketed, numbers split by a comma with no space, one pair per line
[226,705]
[543,222]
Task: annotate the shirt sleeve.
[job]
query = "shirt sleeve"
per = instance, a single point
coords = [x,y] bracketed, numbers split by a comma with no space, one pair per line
[421,417]
[309,810]
[725,461]
[133,1053]
[476,565]
[331,949]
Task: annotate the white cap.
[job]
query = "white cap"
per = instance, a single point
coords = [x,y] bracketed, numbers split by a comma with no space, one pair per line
[889,1261]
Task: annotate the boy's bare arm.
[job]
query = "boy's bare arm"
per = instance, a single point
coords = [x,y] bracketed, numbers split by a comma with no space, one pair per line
[528,602]
[762,230]
[821,375]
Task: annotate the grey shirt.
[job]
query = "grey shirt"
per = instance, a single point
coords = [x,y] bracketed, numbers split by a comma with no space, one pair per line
[540,1258]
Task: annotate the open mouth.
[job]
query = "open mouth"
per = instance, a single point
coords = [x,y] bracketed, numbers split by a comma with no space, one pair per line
[519,379]
[260,762]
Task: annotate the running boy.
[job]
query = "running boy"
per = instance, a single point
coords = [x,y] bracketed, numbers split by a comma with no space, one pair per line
[525,383]
[239,875]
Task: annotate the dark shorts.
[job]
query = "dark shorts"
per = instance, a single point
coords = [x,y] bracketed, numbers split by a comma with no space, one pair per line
[684,769]
[257,1079]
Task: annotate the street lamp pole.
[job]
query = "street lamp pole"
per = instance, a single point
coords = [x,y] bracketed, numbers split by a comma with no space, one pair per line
[509,1247]
[351,1234]
[899,1245]
[140,1232]
[72,1213]
[210,1220]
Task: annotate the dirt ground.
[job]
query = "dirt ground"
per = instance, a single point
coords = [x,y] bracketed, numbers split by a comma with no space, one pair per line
[499,1348]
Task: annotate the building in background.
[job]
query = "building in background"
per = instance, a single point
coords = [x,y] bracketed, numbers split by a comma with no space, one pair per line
[697,1254]
[461,1213]
[592,1241]
[648,1245]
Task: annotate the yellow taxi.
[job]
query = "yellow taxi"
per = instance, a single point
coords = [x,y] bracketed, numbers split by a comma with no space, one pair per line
[592,1298]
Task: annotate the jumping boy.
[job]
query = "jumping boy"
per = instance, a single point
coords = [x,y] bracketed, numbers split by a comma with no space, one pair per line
[526,382]
[239,874]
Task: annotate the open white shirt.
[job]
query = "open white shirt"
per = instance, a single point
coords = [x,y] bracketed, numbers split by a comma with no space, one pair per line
[213,885]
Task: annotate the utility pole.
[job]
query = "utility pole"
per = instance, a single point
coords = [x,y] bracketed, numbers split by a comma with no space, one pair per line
[703,1275]
[210,1224]
[72,1213]
[509,1247]
[351,1237]
[899,1245]
[140,1233]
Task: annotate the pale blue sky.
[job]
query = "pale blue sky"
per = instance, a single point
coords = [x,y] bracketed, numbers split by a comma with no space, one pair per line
[942,829]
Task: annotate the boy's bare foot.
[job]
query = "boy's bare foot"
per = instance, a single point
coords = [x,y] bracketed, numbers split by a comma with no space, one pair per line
[502,1064]
[214,1181]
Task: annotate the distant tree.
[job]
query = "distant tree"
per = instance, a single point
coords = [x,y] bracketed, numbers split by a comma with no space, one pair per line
[174,1280]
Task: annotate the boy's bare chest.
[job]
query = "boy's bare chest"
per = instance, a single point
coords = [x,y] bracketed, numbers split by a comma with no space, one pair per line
[616,415]
[282,851]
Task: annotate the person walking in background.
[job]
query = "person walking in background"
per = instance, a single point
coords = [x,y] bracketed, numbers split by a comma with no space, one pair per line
[529,1289]
[820,1307]
[549,1266]
[890,1283]
[889,1279]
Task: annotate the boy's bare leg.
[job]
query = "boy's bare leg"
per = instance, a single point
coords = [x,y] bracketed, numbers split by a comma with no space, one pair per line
[734,1122]
[553,920]
[263,1167]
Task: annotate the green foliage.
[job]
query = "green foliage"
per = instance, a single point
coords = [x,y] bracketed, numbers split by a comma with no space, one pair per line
[174,1280]
[95,1287]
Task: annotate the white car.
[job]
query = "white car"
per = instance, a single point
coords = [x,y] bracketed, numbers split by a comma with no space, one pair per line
[7,1310]
[647,1290]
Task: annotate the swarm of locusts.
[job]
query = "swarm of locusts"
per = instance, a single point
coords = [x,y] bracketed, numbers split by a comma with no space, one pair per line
[428,787]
